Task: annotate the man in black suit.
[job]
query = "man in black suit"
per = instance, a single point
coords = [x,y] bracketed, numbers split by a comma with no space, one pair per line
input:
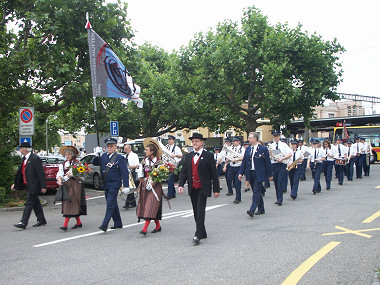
[30,176]
[199,171]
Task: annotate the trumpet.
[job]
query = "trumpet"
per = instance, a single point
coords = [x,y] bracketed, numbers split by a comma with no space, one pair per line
[294,164]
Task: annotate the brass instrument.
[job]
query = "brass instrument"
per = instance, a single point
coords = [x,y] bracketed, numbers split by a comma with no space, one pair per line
[231,154]
[132,188]
[167,155]
[294,164]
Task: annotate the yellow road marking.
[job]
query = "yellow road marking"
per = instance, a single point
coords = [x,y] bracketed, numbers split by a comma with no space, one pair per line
[301,270]
[378,186]
[371,218]
[354,232]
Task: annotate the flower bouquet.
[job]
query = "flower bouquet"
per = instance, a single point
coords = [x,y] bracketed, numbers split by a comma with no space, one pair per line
[161,172]
[78,170]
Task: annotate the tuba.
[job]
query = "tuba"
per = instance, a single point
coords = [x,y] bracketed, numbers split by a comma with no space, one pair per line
[166,155]
[230,154]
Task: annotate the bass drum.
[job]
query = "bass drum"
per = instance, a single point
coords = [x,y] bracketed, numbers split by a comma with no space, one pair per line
[342,161]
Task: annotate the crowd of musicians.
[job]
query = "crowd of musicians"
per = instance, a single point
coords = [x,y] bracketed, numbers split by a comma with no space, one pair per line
[252,163]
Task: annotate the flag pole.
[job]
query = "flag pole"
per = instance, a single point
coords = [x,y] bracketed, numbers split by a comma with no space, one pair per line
[88,27]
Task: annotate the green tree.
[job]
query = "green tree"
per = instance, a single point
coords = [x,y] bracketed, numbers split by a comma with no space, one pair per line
[247,71]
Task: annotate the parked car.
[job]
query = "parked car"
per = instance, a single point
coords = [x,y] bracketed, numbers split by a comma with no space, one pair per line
[51,167]
[93,177]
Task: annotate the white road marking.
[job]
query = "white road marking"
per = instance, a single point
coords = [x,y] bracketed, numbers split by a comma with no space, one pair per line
[186,213]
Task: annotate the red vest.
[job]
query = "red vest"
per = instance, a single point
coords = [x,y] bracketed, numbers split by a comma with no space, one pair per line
[195,174]
[23,172]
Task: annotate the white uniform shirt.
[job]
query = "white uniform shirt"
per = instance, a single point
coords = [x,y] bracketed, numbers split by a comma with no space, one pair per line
[252,154]
[316,154]
[329,153]
[366,148]
[174,149]
[351,151]
[304,148]
[340,151]
[218,156]
[283,147]
[133,159]
[298,155]
[239,149]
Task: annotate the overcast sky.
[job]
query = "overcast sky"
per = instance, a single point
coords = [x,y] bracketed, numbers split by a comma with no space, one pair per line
[172,23]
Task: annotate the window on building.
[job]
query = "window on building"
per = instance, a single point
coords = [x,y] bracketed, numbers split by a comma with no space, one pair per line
[229,134]
[331,115]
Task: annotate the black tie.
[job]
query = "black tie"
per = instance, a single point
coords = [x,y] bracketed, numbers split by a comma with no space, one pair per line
[277,146]
[294,156]
[358,147]
[339,150]
[126,158]
[349,152]
[315,154]
[196,153]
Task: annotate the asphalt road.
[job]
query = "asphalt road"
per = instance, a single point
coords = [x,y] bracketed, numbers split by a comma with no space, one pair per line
[267,249]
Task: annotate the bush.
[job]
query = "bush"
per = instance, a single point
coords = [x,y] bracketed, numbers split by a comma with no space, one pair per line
[6,169]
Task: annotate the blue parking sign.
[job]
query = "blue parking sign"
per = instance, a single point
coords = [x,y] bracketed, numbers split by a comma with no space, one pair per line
[114,129]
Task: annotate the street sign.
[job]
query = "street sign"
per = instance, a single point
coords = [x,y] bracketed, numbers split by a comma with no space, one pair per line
[26,121]
[114,129]
[26,140]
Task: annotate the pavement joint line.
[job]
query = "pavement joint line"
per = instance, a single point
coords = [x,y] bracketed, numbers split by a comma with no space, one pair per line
[165,216]
[371,218]
[301,270]
[354,232]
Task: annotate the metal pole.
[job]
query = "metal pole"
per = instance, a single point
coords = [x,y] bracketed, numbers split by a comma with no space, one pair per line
[96,121]
[47,143]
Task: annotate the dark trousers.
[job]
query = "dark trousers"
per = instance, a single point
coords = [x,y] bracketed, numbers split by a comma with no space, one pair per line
[359,166]
[303,169]
[336,170]
[340,172]
[365,165]
[327,171]
[257,196]
[198,200]
[229,179]
[171,189]
[234,174]
[219,170]
[280,179]
[294,178]
[112,210]
[317,169]
[350,169]
[33,203]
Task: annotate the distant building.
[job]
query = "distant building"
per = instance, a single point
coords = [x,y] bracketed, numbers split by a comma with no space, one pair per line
[77,140]
[339,109]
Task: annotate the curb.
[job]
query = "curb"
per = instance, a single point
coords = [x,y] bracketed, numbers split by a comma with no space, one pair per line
[15,209]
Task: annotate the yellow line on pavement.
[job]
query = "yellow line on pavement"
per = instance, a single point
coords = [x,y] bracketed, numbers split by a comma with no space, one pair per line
[371,218]
[301,270]
[378,186]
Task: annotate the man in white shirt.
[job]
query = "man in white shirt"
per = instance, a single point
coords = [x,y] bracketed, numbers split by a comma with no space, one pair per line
[303,149]
[132,164]
[175,153]
[233,173]
[280,175]
[227,168]
[366,155]
[316,158]
[358,160]
[340,154]
[351,154]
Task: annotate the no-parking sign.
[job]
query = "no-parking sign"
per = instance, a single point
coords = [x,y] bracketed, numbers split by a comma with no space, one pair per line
[26,121]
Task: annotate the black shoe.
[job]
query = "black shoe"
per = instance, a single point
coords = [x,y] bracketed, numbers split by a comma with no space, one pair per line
[126,207]
[314,192]
[328,188]
[40,224]
[237,201]
[20,225]
[260,213]
[63,228]
[229,194]
[293,197]
[340,183]
[76,226]
[195,240]
[250,213]
[246,189]
[359,177]
[143,233]
[284,191]
[278,203]
[156,230]
[349,179]
[114,228]
[263,194]
[104,229]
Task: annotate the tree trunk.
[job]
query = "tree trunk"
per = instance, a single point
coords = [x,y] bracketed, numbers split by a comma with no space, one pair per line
[251,125]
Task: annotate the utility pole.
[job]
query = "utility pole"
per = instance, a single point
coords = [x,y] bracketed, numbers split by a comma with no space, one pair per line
[47,144]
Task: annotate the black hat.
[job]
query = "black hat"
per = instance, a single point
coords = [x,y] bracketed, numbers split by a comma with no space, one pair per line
[315,141]
[283,139]
[236,139]
[216,148]
[349,141]
[227,140]
[171,137]
[245,143]
[338,138]
[25,144]
[197,136]
[357,138]
[294,142]
[276,133]
[300,141]
[110,141]
[361,138]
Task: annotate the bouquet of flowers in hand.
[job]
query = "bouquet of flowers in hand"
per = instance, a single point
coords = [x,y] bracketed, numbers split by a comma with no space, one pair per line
[161,172]
[78,170]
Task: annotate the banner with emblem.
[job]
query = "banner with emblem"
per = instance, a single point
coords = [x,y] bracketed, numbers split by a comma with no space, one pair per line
[109,76]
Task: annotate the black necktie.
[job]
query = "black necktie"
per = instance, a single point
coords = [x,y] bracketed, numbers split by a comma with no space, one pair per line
[277,146]
[126,158]
[349,152]
[294,156]
[315,154]
[357,146]
[196,153]
[339,150]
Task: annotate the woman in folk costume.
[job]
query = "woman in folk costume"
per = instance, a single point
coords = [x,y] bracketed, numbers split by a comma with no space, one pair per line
[150,195]
[76,206]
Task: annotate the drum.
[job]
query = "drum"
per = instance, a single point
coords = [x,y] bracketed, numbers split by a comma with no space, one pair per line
[341,161]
